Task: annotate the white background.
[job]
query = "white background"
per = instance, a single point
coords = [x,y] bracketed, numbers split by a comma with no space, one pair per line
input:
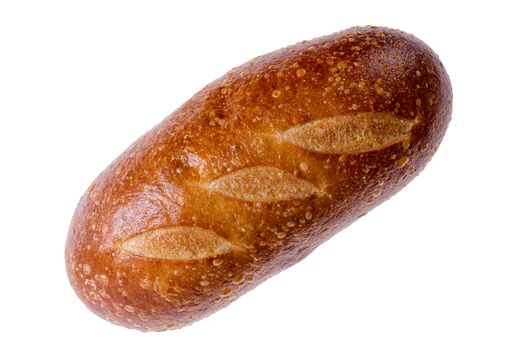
[439,266]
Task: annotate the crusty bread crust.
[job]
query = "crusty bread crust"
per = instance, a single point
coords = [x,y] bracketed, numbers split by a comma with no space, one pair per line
[253,173]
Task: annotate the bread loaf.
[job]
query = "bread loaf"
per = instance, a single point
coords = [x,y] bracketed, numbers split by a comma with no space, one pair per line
[253,173]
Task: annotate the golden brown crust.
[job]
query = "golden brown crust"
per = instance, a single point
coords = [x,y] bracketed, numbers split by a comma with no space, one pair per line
[253,173]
